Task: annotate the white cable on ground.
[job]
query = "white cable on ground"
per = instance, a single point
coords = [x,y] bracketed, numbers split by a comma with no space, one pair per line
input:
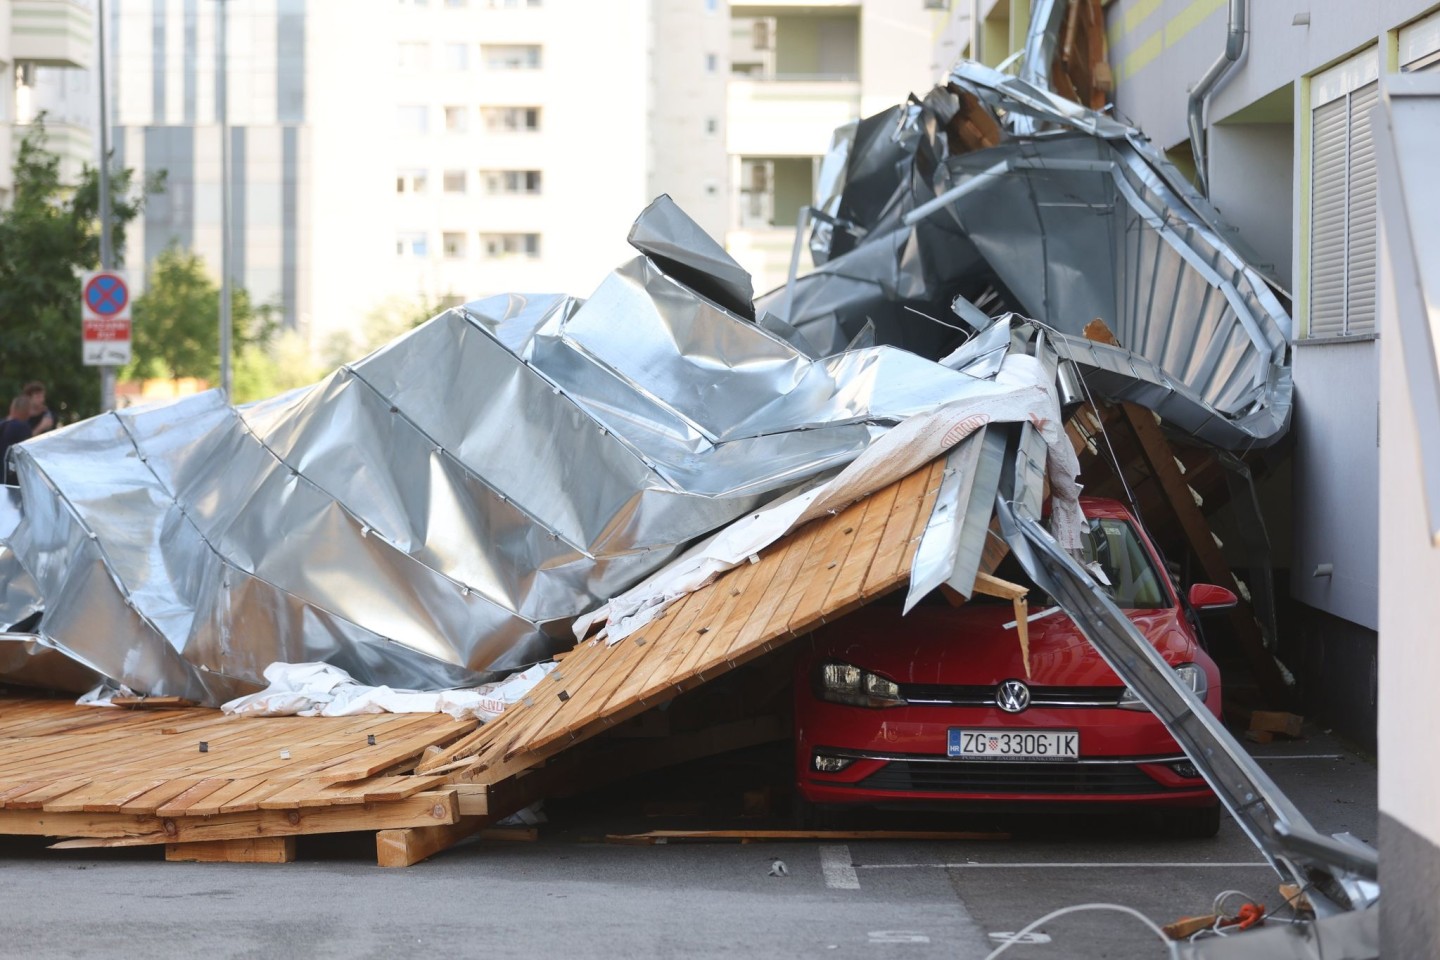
[1170,946]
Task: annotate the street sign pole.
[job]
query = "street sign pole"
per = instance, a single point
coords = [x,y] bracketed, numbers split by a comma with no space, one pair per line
[107,255]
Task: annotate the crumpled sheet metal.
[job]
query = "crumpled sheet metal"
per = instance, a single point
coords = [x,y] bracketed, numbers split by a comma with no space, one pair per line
[436,514]
[1070,216]
[1333,870]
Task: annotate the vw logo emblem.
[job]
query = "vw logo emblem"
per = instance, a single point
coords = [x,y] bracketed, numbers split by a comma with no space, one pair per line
[1012,696]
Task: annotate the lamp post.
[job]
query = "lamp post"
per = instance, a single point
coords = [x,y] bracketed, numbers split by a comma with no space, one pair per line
[107,253]
[222,97]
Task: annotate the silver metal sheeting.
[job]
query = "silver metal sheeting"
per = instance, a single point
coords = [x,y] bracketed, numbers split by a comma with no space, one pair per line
[435,514]
[1069,217]
[438,513]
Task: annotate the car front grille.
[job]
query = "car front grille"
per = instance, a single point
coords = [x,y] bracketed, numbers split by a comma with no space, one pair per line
[975,696]
[978,776]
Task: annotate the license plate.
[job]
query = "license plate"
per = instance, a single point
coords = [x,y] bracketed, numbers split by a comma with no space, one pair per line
[1013,744]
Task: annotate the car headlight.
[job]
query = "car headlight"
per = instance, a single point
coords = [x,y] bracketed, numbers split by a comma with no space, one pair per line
[1190,674]
[847,683]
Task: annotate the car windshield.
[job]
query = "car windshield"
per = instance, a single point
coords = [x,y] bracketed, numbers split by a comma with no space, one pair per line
[1113,547]
[1113,550]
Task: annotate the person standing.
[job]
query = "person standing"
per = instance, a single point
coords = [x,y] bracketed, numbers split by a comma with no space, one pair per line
[40,418]
[15,429]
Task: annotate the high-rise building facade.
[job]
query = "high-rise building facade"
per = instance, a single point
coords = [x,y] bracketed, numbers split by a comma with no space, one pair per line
[437,151]
[430,150]
[798,70]
[46,47]
[164,90]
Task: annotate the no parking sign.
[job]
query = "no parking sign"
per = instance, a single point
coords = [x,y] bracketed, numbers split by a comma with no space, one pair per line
[105,318]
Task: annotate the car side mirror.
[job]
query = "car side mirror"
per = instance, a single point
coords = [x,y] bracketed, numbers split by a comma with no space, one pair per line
[1205,597]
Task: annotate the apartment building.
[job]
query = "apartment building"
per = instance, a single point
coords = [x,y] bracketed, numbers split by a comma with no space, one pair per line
[797,71]
[436,151]
[1290,159]
[46,47]
[164,92]
[1289,155]
[522,137]
[433,151]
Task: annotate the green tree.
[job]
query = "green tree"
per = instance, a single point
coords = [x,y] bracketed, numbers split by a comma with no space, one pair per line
[282,364]
[177,330]
[49,234]
[386,321]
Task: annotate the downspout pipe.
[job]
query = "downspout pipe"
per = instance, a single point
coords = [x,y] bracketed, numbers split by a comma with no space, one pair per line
[1235,34]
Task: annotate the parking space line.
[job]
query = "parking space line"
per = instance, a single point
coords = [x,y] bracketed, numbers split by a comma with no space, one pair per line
[836,866]
[1048,866]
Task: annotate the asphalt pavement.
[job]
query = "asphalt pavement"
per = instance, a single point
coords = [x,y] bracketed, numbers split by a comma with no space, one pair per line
[572,894]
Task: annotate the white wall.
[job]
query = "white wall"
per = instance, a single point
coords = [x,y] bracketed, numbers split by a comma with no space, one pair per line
[1170,48]
[686,159]
[1409,602]
[593,150]
[1335,491]
[896,39]
[1251,177]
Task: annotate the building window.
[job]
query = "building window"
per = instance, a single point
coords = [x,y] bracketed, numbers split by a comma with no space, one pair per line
[457,56]
[455,181]
[413,119]
[414,3]
[1419,44]
[712,126]
[411,244]
[500,246]
[457,119]
[511,4]
[773,189]
[511,181]
[453,245]
[455,3]
[1343,215]
[505,119]
[413,55]
[510,56]
[410,180]
[712,63]
[712,5]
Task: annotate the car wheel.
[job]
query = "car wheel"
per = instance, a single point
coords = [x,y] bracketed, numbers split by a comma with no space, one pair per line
[1193,823]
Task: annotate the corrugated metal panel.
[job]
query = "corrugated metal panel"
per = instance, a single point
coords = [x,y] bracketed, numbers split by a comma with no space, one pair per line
[1327,219]
[1361,220]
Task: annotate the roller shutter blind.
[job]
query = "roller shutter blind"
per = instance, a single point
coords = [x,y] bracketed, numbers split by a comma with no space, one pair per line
[1327,220]
[1362,220]
[1343,217]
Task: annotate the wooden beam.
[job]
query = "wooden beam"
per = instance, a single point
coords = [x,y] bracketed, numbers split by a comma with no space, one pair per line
[423,809]
[402,848]
[1159,457]
[250,850]
[993,586]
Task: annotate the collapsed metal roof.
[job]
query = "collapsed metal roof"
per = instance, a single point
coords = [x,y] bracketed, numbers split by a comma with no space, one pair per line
[993,195]
[439,512]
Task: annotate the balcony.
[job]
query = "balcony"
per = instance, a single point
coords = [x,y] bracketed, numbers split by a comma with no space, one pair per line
[783,117]
[52,33]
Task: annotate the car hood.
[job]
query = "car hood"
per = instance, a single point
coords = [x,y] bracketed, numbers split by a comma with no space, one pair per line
[970,645]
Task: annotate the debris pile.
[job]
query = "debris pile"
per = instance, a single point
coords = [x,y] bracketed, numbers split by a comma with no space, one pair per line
[682,477]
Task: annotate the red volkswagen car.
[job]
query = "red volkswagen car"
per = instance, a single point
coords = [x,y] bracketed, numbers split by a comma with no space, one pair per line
[935,708]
